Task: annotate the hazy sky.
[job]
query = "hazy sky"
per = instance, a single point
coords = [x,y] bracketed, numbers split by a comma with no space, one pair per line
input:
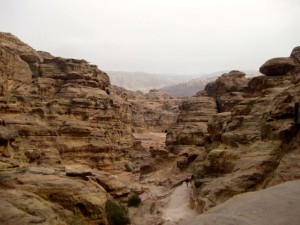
[161,36]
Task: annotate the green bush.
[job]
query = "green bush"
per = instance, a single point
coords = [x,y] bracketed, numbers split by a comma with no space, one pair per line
[116,214]
[134,200]
[127,168]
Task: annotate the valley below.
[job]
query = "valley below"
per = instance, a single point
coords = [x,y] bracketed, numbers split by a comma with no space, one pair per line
[70,142]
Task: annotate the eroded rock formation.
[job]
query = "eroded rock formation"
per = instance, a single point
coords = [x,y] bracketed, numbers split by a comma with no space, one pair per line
[254,137]
[69,140]
[155,111]
[56,112]
[275,205]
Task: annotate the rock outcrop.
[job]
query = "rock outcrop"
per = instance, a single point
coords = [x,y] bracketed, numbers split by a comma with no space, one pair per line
[277,66]
[155,111]
[227,89]
[188,137]
[275,205]
[254,136]
[55,112]
[69,140]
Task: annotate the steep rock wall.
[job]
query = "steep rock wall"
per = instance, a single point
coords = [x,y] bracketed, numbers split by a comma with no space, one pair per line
[254,136]
[56,112]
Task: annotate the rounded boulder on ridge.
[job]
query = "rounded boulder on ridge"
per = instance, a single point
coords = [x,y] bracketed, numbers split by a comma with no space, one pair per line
[277,66]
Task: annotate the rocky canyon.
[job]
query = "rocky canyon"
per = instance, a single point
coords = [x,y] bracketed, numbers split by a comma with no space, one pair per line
[70,141]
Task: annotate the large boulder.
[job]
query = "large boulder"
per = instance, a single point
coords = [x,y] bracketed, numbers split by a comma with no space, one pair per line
[191,126]
[276,205]
[277,66]
[233,81]
[57,194]
[21,207]
[296,55]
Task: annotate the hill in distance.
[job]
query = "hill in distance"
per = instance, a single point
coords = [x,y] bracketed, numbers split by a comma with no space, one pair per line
[174,84]
[191,87]
[143,81]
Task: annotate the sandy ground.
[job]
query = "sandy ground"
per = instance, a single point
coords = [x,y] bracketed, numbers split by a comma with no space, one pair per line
[161,204]
[178,210]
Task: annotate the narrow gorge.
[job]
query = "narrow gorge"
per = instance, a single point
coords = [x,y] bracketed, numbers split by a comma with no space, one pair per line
[70,141]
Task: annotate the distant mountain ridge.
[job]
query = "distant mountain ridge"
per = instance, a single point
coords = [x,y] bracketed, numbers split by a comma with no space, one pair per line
[141,81]
[193,86]
[189,88]
[174,84]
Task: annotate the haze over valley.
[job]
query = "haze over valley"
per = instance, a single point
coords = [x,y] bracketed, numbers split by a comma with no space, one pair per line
[207,133]
[180,85]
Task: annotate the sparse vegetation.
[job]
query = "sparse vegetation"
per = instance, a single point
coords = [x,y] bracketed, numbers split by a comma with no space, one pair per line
[234,88]
[134,201]
[116,214]
[127,168]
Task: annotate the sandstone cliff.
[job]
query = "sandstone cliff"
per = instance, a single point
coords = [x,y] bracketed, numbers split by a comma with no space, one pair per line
[69,140]
[56,112]
[155,111]
[254,136]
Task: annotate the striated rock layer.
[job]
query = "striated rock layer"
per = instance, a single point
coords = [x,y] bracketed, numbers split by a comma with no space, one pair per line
[254,136]
[155,111]
[55,112]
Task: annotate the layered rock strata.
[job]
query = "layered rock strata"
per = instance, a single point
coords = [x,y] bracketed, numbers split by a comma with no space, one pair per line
[155,111]
[253,143]
[254,136]
[188,137]
[55,112]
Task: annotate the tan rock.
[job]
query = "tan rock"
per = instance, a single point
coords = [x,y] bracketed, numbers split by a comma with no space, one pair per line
[227,90]
[191,126]
[275,205]
[277,66]
[21,207]
[67,193]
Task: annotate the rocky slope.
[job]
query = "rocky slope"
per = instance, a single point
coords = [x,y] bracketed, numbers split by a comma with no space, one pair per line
[154,111]
[69,141]
[56,112]
[254,136]
[276,205]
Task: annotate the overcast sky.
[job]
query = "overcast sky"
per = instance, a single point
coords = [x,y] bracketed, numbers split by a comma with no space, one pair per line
[160,36]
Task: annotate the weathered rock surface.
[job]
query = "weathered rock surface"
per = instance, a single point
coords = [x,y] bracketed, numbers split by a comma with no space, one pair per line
[56,112]
[227,89]
[191,126]
[189,135]
[63,106]
[295,55]
[277,66]
[154,111]
[67,142]
[254,137]
[49,188]
[276,205]
[21,207]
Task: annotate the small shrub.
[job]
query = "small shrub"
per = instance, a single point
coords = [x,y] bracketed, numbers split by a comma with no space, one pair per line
[116,214]
[234,88]
[215,144]
[127,168]
[134,200]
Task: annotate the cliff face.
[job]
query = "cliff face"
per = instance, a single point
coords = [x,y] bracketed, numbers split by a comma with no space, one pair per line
[254,137]
[56,112]
[154,111]
[66,142]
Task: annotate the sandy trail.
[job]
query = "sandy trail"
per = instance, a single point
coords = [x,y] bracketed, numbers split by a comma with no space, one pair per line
[178,211]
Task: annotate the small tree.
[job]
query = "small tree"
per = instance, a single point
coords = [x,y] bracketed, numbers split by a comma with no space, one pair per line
[116,214]
[134,200]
